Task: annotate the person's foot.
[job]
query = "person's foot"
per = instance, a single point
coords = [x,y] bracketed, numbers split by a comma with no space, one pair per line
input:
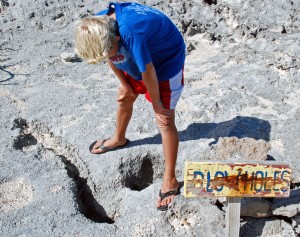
[167,193]
[101,146]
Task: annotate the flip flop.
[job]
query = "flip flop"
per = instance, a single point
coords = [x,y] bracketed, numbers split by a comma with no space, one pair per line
[105,148]
[167,194]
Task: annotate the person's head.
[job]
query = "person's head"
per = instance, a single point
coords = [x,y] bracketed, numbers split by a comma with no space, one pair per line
[95,37]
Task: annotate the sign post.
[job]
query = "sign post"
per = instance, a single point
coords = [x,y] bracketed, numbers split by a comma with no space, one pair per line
[235,181]
[233,216]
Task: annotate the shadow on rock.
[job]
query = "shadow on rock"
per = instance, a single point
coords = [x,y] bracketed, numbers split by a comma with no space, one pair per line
[137,174]
[284,203]
[87,204]
[239,127]
[254,227]
[11,75]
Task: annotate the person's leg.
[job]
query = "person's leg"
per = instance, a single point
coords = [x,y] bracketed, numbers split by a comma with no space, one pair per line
[170,143]
[170,92]
[124,113]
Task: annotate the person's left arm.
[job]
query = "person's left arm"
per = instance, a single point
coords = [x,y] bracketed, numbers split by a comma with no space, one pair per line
[150,80]
[138,47]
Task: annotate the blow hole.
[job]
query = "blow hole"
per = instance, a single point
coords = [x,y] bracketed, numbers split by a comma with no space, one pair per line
[138,177]
[87,204]
[210,2]
[20,123]
[24,140]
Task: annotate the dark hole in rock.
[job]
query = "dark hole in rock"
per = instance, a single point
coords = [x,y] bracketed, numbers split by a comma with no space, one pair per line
[3,5]
[219,205]
[139,179]
[286,219]
[31,15]
[20,123]
[269,157]
[210,2]
[295,185]
[87,204]
[60,15]
[283,30]
[24,141]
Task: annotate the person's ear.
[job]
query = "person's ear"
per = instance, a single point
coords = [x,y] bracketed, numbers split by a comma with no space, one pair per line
[117,38]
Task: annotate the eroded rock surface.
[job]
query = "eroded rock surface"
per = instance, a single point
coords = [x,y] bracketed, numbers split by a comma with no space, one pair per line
[14,194]
[241,99]
[245,149]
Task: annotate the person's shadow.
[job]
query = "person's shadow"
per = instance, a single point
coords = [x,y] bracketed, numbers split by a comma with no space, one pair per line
[239,127]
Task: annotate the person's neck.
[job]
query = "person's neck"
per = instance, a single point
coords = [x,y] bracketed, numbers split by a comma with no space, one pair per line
[112,14]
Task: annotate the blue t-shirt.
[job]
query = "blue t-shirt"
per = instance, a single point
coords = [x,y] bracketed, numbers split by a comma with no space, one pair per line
[125,62]
[147,35]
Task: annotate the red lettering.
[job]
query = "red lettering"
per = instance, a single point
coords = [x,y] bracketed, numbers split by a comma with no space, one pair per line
[117,58]
[113,58]
[120,57]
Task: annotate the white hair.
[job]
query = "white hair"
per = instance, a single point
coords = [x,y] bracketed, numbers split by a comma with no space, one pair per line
[94,37]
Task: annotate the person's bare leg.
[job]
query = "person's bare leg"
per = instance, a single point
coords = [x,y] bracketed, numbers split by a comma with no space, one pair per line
[124,113]
[170,142]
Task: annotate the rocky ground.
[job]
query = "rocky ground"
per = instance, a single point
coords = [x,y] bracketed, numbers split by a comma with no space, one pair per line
[242,82]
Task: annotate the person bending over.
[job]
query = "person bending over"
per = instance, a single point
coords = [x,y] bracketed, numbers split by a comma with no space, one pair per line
[146,52]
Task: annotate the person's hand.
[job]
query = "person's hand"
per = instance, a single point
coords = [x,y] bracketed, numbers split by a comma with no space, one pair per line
[125,92]
[163,115]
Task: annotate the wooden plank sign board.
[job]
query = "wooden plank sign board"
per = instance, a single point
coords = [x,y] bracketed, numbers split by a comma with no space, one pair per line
[264,179]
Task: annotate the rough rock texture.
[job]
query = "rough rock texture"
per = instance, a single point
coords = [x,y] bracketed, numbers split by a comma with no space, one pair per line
[296,223]
[241,82]
[266,227]
[14,194]
[256,207]
[244,149]
[288,207]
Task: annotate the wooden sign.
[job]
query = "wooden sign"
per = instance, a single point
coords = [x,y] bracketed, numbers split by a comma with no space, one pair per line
[265,179]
